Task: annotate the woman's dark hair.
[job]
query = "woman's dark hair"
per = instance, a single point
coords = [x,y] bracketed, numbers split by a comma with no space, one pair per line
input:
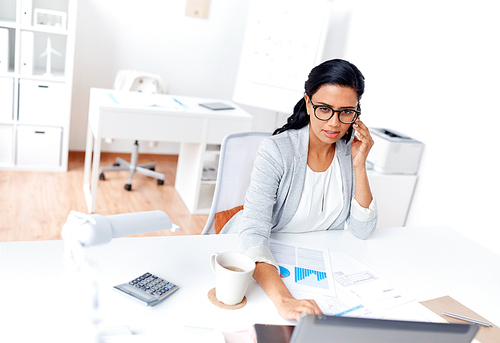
[335,72]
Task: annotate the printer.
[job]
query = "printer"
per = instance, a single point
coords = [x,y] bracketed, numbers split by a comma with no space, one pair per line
[394,153]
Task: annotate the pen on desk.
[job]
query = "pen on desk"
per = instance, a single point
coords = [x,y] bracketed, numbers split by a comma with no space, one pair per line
[466,319]
[180,103]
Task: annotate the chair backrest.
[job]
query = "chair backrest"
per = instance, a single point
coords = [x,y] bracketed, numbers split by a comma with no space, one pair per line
[237,155]
[133,80]
[137,81]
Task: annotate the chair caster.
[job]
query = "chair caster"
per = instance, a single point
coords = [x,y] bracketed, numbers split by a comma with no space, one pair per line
[101,177]
[152,168]
[128,187]
[160,182]
[116,164]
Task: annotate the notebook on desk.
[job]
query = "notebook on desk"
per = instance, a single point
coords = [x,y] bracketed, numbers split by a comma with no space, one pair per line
[331,329]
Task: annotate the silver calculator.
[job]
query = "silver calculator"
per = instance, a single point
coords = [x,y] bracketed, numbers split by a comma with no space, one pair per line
[148,288]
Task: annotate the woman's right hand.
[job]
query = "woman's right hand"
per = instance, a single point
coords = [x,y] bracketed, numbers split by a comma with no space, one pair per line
[288,307]
[291,308]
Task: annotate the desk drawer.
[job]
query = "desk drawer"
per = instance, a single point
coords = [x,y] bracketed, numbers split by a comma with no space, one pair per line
[121,123]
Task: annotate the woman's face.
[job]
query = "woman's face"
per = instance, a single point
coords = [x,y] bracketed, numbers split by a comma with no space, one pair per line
[337,97]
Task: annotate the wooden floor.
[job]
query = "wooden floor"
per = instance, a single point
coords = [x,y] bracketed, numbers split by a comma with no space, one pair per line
[34,206]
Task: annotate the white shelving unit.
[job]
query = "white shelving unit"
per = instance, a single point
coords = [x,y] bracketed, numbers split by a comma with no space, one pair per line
[35,107]
[207,185]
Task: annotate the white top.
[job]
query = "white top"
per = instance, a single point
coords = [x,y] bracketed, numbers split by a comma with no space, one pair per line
[321,200]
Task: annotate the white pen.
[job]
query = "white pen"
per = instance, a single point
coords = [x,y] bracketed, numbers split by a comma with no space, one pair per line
[466,319]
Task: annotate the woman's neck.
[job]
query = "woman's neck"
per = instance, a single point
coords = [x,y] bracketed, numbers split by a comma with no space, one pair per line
[320,156]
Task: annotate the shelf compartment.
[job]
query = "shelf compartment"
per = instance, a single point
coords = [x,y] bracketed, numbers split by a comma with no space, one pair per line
[8,11]
[205,198]
[58,43]
[7,49]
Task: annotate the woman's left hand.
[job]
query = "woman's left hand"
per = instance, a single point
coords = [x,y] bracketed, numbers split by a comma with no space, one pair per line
[361,144]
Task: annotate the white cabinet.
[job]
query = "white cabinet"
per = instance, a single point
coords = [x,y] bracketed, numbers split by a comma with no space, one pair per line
[36,82]
[393,193]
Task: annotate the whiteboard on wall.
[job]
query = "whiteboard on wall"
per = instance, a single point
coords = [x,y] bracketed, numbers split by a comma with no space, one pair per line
[284,40]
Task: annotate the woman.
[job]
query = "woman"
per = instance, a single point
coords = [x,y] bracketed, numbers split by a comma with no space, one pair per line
[309,176]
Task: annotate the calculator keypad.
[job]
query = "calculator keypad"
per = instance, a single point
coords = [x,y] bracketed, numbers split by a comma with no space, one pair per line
[148,288]
[152,284]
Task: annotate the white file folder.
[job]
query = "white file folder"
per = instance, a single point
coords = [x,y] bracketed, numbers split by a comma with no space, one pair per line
[4,50]
[27,52]
[26,12]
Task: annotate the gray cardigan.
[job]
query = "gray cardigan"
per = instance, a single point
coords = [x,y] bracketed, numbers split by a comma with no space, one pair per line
[276,186]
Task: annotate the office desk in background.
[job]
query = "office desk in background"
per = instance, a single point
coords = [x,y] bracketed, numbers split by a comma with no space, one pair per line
[424,263]
[139,116]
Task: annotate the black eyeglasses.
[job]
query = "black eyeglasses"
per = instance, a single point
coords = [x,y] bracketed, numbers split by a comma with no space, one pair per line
[325,113]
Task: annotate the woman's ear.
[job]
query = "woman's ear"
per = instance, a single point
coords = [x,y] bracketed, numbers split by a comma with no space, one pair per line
[306,99]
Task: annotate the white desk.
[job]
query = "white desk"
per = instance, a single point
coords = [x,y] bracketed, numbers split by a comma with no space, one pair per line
[125,115]
[423,262]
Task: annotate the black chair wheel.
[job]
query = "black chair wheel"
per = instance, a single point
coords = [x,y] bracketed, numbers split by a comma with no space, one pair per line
[128,187]
[160,182]
[116,165]
[101,177]
[152,168]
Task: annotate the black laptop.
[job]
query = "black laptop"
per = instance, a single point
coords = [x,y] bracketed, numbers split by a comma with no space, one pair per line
[333,329]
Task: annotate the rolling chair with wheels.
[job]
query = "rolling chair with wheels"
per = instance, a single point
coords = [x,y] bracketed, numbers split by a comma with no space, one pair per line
[132,80]
[145,169]
[237,155]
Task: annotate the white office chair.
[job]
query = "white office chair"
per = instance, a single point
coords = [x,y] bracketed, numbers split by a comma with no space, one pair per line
[237,155]
[132,80]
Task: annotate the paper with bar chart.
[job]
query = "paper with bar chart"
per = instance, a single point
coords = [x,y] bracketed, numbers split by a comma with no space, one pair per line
[340,284]
[307,273]
[304,268]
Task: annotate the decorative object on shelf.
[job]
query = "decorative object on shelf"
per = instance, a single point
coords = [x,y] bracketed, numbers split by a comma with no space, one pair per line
[48,52]
[209,174]
[44,17]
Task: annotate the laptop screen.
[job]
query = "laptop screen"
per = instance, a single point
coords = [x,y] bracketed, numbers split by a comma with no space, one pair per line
[331,329]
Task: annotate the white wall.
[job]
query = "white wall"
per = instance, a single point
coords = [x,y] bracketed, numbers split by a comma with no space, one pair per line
[431,71]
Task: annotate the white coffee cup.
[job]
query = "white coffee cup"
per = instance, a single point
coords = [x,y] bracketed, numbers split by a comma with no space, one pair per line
[233,272]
